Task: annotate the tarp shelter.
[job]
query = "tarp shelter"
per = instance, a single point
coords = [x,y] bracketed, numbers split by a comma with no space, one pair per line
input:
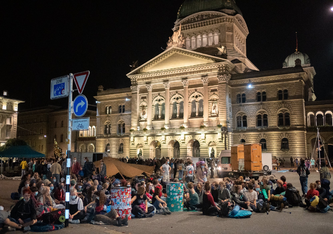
[20,151]
[114,166]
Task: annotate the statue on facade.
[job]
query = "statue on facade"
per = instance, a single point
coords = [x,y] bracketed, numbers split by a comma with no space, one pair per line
[143,114]
[177,39]
[57,149]
[134,65]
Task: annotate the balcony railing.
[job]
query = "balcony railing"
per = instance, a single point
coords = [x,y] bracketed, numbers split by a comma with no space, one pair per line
[176,131]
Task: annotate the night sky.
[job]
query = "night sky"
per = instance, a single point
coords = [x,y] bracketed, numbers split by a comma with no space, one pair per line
[41,40]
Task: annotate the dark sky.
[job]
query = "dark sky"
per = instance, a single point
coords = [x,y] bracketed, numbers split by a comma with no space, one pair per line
[41,40]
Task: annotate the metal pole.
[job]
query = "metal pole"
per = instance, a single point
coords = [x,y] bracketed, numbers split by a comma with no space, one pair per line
[69,137]
[318,142]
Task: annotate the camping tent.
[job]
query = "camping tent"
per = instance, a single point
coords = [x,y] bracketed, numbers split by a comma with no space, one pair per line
[20,151]
[114,166]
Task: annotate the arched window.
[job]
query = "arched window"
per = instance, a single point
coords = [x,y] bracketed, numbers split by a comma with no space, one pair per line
[328,118]
[262,120]
[210,39]
[174,110]
[258,97]
[119,128]
[241,121]
[263,94]
[198,41]
[181,110]
[312,120]
[243,98]
[193,42]
[193,108]
[285,94]
[107,129]
[204,40]
[123,108]
[242,141]
[265,120]
[108,148]
[216,38]
[157,111]
[163,111]
[93,131]
[263,144]
[284,144]
[284,119]
[121,148]
[61,138]
[200,111]
[259,120]
[123,130]
[320,120]
[106,110]
[89,131]
[280,97]
[239,98]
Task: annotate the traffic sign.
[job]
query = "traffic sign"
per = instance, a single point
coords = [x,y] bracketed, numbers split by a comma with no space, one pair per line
[80,80]
[80,105]
[59,87]
[81,124]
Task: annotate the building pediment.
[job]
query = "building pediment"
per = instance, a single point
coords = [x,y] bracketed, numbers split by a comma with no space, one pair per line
[175,59]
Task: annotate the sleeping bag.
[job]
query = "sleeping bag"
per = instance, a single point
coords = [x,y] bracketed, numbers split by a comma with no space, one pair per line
[238,213]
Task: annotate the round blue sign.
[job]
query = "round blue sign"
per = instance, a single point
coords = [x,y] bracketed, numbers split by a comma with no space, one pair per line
[80,105]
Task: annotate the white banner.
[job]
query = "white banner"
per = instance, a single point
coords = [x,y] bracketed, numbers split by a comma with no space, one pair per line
[81,124]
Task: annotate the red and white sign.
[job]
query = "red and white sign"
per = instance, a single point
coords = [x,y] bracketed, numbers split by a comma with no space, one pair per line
[81,79]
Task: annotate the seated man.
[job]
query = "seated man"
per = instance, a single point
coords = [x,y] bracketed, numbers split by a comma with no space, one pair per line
[322,191]
[76,208]
[252,197]
[239,198]
[192,198]
[224,193]
[24,211]
[293,196]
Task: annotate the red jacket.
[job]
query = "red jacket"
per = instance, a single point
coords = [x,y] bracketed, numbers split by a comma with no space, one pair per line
[76,167]
[59,194]
[312,193]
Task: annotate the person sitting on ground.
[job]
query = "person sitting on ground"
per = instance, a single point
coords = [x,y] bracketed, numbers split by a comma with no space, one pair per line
[4,219]
[158,185]
[140,204]
[101,201]
[311,192]
[97,185]
[322,191]
[159,204]
[23,183]
[239,198]
[148,190]
[252,197]
[224,193]
[264,186]
[59,193]
[192,198]
[90,196]
[325,177]
[215,192]
[208,205]
[293,196]
[44,199]
[284,179]
[76,208]
[24,211]
[279,189]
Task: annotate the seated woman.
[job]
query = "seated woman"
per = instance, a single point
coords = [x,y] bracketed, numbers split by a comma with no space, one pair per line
[279,189]
[24,212]
[192,198]
[239,198]
[208,206]
[312,192]
[90,196]
[140,204]
[224,193]
[200,192]
[101,201]
[159,203]
[59,193]
[265,188]
[76,208]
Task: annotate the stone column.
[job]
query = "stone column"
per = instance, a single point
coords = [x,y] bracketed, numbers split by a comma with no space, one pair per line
[167,103]
[135,109]
[196,109]
[206,98]
[159,111]
[149,106]
[186,104]
[223,79]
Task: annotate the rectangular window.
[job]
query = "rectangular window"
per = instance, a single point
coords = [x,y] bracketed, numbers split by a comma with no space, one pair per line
[239,121]
[285,94]
[263,96]
[280,122]
[244,121]
[259,120]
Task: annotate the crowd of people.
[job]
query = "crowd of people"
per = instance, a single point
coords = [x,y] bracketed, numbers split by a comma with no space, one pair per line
[41,192]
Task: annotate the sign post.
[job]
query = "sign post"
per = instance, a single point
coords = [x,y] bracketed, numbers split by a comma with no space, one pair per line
[63,87]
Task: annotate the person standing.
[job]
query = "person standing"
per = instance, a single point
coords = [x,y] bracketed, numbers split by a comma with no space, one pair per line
[76,167]
[165,169]
[303,173]
[325,177]
[55,171]
[291,162]
[296,162]
[24,167]
[312,163]
[190,172]
[102,171]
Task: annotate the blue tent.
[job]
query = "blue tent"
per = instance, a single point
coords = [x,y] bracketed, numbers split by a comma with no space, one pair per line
[20,151]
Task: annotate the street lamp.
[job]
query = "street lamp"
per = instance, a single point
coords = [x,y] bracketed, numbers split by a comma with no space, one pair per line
[332,8]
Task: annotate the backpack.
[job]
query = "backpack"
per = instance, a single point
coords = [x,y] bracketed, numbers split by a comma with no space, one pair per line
[15,196]
[261,207]
[296,198]
[225,209]
[54,217]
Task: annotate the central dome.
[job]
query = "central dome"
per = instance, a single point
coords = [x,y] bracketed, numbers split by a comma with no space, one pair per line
[190,7]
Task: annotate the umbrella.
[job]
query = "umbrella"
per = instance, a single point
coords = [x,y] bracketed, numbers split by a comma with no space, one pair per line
[114,166]
[20,151]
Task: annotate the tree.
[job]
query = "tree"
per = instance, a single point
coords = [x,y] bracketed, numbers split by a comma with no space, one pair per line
[12,142]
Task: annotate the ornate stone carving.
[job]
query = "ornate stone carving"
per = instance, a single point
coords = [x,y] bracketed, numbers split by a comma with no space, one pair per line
[149,87]
[177,39]
[223,74]
[166,84]
[185,82]
[204,80]
[134,81]
[134,88]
